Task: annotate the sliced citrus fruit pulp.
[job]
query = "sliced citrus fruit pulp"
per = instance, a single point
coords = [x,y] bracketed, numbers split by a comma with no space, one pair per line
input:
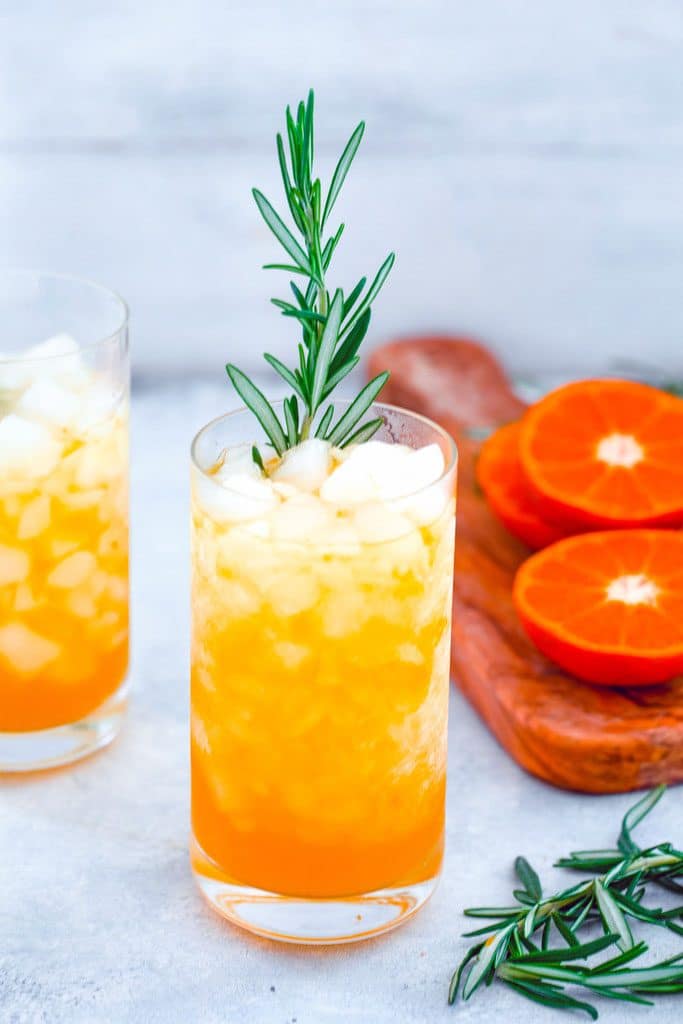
[606,453]
[500,477]
[608,606]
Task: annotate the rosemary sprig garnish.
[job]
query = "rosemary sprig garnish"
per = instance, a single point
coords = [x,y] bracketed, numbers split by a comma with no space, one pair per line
[333,325]
[518,953]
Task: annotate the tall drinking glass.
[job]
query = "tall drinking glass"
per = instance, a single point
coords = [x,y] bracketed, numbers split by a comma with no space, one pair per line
[320,667]
[64,390]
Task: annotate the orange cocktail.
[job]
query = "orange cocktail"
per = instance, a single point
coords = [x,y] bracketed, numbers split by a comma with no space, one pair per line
[320,665]
[63,550]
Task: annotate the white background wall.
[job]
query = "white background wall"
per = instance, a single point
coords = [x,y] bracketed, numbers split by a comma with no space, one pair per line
[524,158]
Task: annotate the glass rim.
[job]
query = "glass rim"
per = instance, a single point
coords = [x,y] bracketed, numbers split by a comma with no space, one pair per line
[451,458]
[94,286]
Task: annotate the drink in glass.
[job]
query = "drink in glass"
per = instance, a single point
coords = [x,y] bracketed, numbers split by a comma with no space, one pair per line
[321,604]
[63,518]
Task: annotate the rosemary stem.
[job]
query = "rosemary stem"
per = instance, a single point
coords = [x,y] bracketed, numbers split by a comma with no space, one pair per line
[322,309]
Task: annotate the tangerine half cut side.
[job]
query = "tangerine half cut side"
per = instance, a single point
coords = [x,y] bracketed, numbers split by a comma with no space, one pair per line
[606,453]
[500,476]
[607,607]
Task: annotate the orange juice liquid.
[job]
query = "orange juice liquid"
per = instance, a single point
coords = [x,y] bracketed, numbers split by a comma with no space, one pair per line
[319,708]
[64,578]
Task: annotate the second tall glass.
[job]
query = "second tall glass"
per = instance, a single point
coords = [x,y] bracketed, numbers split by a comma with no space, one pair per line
[64,386]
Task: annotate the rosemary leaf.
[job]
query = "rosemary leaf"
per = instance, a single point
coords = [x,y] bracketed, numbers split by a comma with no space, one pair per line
[328,343]
[373,290]
[287,375]
[579,952]
[292,419]
[329,247]
[457,974]
[351,298]
[285,266]
[613,916]
[528,878]
[357,409]
[547,995]
[325,421]
[336,378]
[635,816]
[342,169]
[294,208]
[260,406]
[485,962]
[256,456]
[364,433]
[348,348]
[282,232]
[565,931]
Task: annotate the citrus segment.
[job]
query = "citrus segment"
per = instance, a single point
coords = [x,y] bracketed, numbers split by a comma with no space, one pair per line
[500,476]
[607,607]
[605,453]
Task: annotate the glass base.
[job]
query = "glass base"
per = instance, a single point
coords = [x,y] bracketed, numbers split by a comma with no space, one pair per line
[50,748]
[314,922]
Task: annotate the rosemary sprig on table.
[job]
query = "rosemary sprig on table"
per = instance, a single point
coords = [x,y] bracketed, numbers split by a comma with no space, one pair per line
[333,325]
[518,950]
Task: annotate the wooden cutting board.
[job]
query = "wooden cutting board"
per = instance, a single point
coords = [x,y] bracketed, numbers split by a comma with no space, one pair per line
[567,732]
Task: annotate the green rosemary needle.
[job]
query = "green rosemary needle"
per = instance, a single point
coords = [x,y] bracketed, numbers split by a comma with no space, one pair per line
[518,951]
[333,325]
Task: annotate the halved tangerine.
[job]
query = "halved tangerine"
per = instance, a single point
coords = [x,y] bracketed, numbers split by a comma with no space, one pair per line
[500,477]
[607,607]
[606,453]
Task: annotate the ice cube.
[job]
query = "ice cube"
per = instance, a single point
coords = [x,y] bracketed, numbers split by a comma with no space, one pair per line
[371,470]
[344,612]
[349,484]
[59,548]
[27,652]
[24,600]
[426,493]
[427,505]
[72,570]
[26,448]
[422,467]
[82,605]
[240,499]
[81,498]
[293,595]
[61,344]
[100,459]
[255,528]
[98,405]
[290,654]
[117,588]
[200,736]
[15,565]
[305,466]
[35,517]
[301,519]
[237,462]
[58,357]
[284,490]
[342,539]
[49,402]
[410,653]
[238,600]
[14,373]
[378,521]
[113,541]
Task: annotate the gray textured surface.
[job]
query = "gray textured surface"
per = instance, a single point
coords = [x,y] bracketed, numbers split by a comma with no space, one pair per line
[99,917]
[524,158]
